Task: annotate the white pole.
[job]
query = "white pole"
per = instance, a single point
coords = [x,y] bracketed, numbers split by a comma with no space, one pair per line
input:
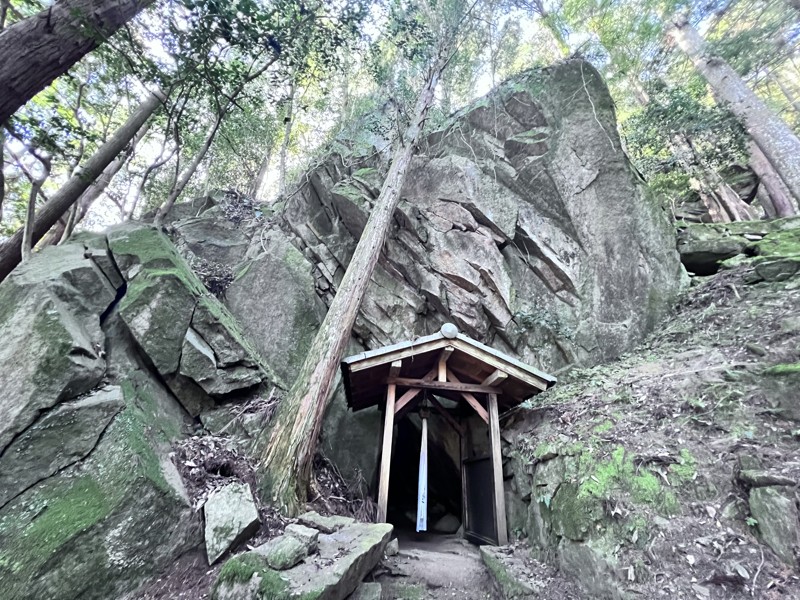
[422,489]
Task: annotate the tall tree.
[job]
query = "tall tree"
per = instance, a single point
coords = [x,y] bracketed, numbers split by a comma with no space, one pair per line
[287,460]
[60,203]
[40,48]
[772,135]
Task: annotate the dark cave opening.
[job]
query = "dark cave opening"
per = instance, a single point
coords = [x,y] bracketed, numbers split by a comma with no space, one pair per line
[444,476]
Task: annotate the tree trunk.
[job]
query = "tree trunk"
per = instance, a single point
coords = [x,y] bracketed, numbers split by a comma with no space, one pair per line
[257,184]
[287,134]
[30,212]
[765,201]
[772,184]
[189,171]
[69,193]
[40,48]
[773,136]
[286,462]
[2,176]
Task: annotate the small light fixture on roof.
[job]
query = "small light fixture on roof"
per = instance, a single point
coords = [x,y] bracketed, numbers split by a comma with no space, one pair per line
[449,331]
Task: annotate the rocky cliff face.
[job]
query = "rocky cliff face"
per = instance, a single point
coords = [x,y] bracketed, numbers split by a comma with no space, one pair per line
[110,344]
[521,221]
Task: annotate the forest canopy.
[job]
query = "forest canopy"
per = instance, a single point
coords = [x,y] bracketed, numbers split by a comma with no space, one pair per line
[249,93]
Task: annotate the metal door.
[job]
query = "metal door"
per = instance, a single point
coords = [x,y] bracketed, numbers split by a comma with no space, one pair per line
[480,526]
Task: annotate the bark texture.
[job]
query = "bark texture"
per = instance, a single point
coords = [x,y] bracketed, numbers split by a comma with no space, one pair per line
[40,48]
[772,135]
[59,203]
[779,195]
[287,460]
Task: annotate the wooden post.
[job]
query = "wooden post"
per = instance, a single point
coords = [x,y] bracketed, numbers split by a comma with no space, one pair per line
[497,471]
[386,455]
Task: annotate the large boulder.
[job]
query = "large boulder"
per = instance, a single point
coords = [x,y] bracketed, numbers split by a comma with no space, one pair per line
[522,221]
[191,339]
[344,556]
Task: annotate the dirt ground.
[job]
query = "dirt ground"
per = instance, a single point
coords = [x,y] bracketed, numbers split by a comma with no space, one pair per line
[436,567]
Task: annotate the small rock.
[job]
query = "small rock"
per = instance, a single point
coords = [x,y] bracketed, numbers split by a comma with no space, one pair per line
[447,524]
[777,519]
[757,479]
[367,591]
[324,524]
[756,349]
[308,536]
[283,552]
[231,517]
[392,548]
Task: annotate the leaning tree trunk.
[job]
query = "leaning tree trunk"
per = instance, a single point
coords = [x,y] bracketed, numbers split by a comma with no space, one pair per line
[38,49]
[780,198]
[776,140]
[286,462]
[189,171]
[287,135]
[69,193]
[258,181]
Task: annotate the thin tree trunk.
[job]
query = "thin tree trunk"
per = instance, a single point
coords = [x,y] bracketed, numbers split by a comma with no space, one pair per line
[778,193]
[2,176]
[256,186]
[40,48]
[787,93]
[189,171]
[62,230]
[30,212]
[773,136]
[286,462]
[71,191]
[287,134]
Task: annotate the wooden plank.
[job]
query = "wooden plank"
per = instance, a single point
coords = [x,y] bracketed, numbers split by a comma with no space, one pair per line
[497,377]
[444,385]
[497,472]
[405,352]
[413,393]
[464,512]
[386,455]
[498,363]
[394,370]
[472,400]
[447,416]
[443,358]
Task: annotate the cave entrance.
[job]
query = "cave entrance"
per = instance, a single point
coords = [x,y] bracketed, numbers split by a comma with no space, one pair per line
[454,389]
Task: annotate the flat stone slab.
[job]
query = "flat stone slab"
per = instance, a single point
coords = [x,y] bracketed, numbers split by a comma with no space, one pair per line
[343,559]
[231,517]
[367,591]
[324,524]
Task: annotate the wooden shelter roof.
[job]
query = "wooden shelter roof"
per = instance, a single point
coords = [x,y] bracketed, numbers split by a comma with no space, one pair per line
[471,367]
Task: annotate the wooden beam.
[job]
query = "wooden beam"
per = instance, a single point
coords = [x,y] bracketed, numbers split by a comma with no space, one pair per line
[397,355]
[497,377]
[413,393]
[447,416]
[443,358]
[498,363]
[394,370]
[386,455]
[472,400]
[444,385]
[497,472]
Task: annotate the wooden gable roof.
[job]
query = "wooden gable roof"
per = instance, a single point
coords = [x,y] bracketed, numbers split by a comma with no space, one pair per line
[476,367]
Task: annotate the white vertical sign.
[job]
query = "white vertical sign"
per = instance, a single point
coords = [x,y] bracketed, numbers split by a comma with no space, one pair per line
[422,489]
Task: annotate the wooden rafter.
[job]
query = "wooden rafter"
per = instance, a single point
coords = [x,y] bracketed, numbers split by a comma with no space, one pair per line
[497,377]
[498,363]
[472,400]
[443,385]
[413,393]
[443,358]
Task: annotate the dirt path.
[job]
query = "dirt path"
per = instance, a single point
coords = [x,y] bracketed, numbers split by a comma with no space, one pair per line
[435,567]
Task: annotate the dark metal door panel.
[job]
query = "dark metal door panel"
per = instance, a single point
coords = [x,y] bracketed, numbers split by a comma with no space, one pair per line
[480,526]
